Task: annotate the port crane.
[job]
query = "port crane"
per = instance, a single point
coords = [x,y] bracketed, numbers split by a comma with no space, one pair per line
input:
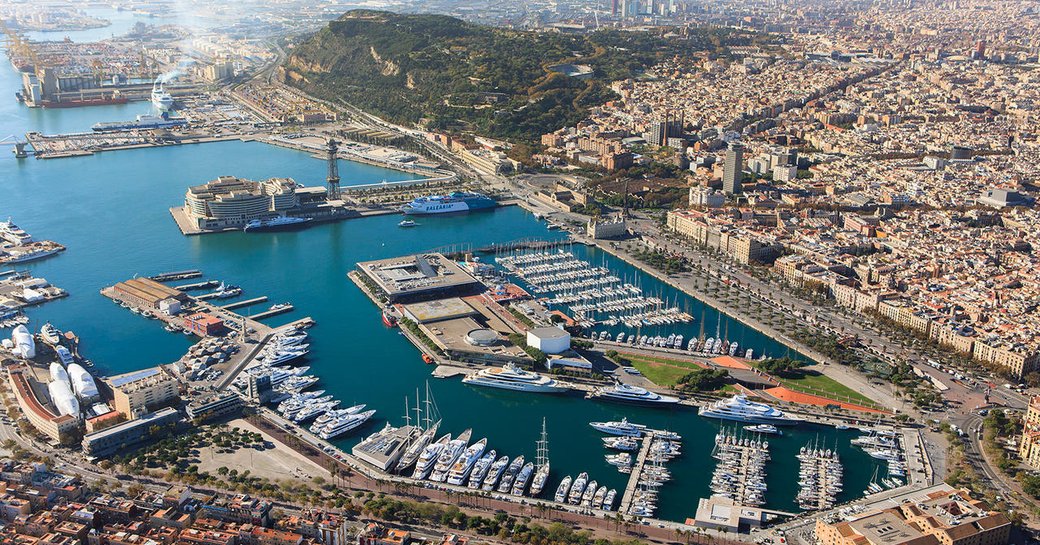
[19,146]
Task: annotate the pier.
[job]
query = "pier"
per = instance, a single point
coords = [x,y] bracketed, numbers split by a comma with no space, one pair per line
[177,275]
[740,472]
[198,285]
[246,303]
[271,312]
[637,472]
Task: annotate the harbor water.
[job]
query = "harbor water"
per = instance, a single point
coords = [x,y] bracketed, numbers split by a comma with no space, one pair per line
[111,211]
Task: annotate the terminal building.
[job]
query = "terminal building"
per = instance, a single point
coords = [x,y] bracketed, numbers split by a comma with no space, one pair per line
[418,277]
[467,329]
[230,202]
[149,294]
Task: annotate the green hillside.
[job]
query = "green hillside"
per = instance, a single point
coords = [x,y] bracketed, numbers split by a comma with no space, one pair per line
[445,72]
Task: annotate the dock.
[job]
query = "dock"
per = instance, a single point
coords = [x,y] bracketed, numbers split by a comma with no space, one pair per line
[198,285]
[637,471]
[272,312]
[177,275]
[246,303]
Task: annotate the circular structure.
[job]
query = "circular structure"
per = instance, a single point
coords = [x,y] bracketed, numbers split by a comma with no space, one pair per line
[482,337]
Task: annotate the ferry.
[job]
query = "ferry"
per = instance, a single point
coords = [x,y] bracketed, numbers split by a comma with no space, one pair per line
[160,98]
[626,393]
[740,409]
[280,223]
[458,201]
[511,377]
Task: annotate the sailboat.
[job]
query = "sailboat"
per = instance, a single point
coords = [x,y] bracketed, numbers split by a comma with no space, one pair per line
[541,474]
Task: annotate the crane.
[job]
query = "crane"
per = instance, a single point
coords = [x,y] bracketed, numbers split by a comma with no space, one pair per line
[19,146]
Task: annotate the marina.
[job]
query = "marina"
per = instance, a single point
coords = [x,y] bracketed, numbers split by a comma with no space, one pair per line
[120,340]
[740,470]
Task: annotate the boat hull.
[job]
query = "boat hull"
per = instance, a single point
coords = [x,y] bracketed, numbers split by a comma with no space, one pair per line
[517,387]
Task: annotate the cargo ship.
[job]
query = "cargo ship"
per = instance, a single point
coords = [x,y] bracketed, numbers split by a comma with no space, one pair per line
[163,121]
[458,201]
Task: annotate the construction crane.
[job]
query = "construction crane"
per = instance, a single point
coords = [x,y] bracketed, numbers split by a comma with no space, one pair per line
[19,146]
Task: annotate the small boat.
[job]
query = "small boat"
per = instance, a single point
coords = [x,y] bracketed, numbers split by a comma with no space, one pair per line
[407,223]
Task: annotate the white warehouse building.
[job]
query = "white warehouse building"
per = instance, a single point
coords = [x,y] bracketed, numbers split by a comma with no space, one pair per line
[551,340]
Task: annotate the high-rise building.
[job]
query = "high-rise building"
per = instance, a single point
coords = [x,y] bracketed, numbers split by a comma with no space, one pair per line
[733,169]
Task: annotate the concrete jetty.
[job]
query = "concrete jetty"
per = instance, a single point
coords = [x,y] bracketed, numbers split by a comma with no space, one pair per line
[272,312]
[246,303]
[637,471]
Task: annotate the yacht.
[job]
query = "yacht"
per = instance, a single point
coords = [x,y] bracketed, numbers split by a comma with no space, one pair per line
[407,223]
[577,489]
[447,458]
[417,447]
[345,424]
[277,223]
[608,500]
[522,478]
[563,489]
[481,469]
[540,476]
[14,234]
[428,458]
[764,428]
[590,494]
[332,415]
[50,334]
[464,464]
[740,409]
[315,410]
[505,485]
[495,473]
[511,377]
[623,428]
[626,393]
[626,444]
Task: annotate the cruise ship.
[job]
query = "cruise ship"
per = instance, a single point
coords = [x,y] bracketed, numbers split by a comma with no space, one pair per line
[626,393]
[511,377]
[738,408]
[161,99]
[443,204]
[279,223]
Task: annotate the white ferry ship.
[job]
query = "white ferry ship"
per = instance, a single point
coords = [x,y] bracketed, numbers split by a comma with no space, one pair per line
[458,201]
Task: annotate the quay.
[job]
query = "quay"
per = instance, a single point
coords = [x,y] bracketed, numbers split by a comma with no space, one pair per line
[246,303]
[637,472]
[198,285]
[272,312]
[176,275]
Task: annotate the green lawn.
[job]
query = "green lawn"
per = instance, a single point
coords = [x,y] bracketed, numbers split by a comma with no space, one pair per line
[817,383]
[659,373]
[656,359]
